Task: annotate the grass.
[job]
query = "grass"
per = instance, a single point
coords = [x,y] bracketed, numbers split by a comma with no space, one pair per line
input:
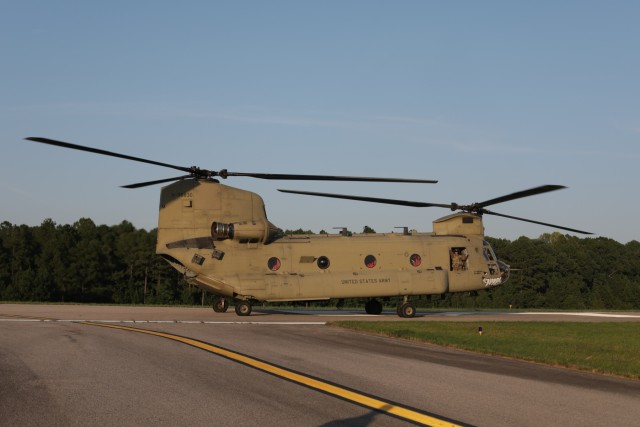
[608,348]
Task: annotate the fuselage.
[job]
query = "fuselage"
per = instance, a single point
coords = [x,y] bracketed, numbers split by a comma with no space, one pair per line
[219,236]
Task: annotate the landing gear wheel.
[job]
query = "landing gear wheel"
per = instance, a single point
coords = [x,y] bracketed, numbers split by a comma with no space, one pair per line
[407,310]
[220,305]
[373,306]
[243,308]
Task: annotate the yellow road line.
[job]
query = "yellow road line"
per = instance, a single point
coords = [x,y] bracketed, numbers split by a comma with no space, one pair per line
[332,389]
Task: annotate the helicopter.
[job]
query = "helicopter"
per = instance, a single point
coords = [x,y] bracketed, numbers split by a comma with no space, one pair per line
[220,239]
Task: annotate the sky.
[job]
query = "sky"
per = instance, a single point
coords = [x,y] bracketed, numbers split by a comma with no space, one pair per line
[487,97]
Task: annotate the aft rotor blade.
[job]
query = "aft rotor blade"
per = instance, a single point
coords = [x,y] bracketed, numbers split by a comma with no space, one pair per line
[369,199]
[104,152]
[484,211]
[520,194]
[204,173]
[296,177]
[159,181]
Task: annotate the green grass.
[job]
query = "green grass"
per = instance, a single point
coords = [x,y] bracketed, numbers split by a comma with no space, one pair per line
[609,348]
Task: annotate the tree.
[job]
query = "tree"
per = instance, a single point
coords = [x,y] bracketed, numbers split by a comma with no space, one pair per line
[298,231]
[5,259]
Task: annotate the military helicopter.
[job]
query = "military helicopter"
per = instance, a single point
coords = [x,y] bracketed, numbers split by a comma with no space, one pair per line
[219,237]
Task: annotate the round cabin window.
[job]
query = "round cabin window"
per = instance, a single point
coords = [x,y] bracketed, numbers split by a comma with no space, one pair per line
[274,264]
[415,260]
[370,261]
[323,262]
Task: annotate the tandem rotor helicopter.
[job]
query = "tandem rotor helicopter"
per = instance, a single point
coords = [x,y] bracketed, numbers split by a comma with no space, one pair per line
[219,237]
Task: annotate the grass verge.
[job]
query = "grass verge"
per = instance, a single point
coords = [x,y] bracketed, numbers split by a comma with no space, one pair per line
[608,348]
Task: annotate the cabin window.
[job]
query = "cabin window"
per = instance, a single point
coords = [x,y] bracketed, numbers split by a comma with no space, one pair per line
[274,264]
[415,260]
[323,262]
[370,261]
[458,257]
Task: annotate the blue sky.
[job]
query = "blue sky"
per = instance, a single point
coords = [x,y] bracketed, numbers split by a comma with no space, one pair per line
[487,97]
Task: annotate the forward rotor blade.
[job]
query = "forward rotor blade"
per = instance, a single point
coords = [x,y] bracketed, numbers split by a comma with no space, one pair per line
[520,194]
[159,181]
[104,152]
[484,211]
[369,199]
[296,177]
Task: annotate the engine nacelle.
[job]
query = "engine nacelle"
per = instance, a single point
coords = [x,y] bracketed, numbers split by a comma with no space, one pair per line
[244,232]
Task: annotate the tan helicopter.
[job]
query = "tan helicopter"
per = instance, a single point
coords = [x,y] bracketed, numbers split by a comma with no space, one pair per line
[219,237]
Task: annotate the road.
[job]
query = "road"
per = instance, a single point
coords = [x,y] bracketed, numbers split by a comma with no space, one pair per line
[58,371]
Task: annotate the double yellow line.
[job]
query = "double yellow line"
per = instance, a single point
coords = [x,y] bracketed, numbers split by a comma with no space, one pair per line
[323,386]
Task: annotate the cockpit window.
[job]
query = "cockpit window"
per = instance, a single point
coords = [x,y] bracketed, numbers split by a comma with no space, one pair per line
[490,256]
[488,252]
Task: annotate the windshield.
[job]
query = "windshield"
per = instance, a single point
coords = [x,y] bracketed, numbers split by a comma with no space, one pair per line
[496,267]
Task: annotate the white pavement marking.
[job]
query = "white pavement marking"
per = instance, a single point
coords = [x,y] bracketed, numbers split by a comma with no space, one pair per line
[621,316]
[205,322]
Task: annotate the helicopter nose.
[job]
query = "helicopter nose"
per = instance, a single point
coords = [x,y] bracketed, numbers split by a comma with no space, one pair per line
[505,271]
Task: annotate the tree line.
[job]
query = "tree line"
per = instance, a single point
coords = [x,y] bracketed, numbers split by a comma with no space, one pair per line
[85,262]
[566,272]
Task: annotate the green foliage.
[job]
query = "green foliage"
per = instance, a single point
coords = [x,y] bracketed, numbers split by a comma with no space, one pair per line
[298,231]
[561,271]
[84,263]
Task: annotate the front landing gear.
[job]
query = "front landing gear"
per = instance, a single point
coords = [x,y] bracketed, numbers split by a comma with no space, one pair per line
[220,305]
[243,308]
[407,308]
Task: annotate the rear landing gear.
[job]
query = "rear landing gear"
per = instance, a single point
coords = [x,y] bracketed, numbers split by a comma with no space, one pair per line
[243,308]
[220,305]
[373,306]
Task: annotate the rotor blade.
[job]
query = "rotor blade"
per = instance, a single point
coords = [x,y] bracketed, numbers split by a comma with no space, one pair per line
[520,194]
[297,177]
[159,181]
[369,199]
[484,211]
[104,152]
[201,173]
